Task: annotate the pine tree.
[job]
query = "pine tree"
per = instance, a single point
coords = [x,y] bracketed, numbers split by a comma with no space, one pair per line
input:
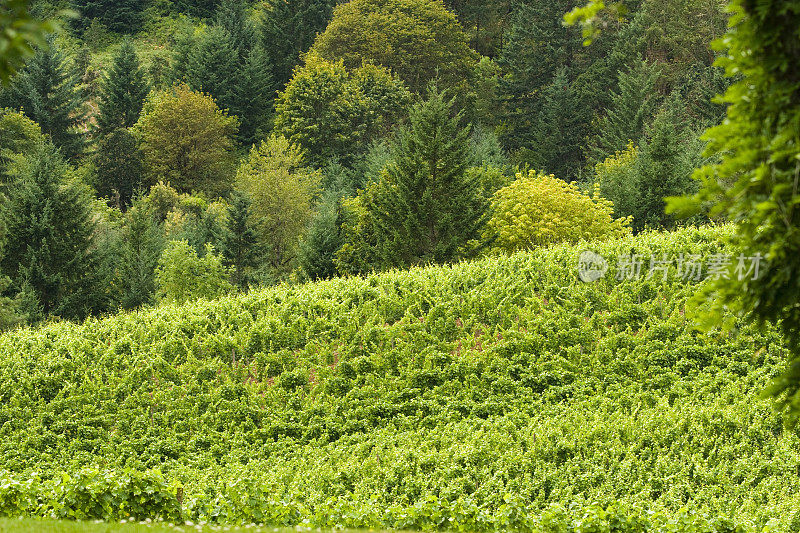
[427,208]
[255,92]
[289,28]
[232,17]
[632,107]
[213,67]
[123,91]
[47,92]
[558,132]
[49,247]
[119,168]
[239,244]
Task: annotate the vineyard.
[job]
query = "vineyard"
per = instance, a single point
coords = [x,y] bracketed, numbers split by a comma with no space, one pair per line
[502,393]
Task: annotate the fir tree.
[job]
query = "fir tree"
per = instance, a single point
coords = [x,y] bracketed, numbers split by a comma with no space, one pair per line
[239,244]
[255,92]
[213,66]
[632,108]
[142,241]
[323,239]
[49,250]
[47,92]
[558,132]
[123,91]
[428,208]
[289,28]
[119,168]
[232,17]
[121,16]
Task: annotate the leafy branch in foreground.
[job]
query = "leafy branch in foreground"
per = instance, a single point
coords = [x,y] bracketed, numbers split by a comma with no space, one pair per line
[20,35]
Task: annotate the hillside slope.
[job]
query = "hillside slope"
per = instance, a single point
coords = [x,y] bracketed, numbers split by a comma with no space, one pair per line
[481,392]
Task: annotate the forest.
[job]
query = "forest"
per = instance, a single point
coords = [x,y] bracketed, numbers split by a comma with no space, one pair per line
[259,143]
[452,265]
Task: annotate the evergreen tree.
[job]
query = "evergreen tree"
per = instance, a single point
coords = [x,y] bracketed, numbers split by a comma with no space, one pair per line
[632,107]
[197,8]
[427,207]
[255,92]
[119,168]
[232,17]
[536,46]
[121,16]
[123,91]
[49,250]
[664,167]
[289,28]
[142,241]
[323,239]
[213,67]
[558,132]
[240,243]
[47,92]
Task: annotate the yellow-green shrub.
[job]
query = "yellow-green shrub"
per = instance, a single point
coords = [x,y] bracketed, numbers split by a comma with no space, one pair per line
[539,209]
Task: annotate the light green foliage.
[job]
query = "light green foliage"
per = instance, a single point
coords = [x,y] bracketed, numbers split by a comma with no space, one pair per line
[539,210]
[19,135]
[333,112]
[282,191]
[187,141]
[418,40]
[182,275]
[481,392]
[20,35]
[755,180]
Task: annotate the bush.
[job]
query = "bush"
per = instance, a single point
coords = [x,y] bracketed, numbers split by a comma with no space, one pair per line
[182,275]
[539,210]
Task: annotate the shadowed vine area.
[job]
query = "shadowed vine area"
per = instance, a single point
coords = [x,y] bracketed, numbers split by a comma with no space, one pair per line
[467,397]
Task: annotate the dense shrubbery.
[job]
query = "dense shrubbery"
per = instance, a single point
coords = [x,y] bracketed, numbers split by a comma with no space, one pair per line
[481,392]
[539,210]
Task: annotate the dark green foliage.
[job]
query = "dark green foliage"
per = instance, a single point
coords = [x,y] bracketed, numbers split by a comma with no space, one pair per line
[119,168]
[664,168]
[121,16]
[288,28]
[239,243]
[632,108]
[255,92]
[212,66]
[46,90]
[122,92]
[323,239]
[558,130]
[141,242]
[232,16]
[48,246]
[536,46]
[427,208]
[197,8]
